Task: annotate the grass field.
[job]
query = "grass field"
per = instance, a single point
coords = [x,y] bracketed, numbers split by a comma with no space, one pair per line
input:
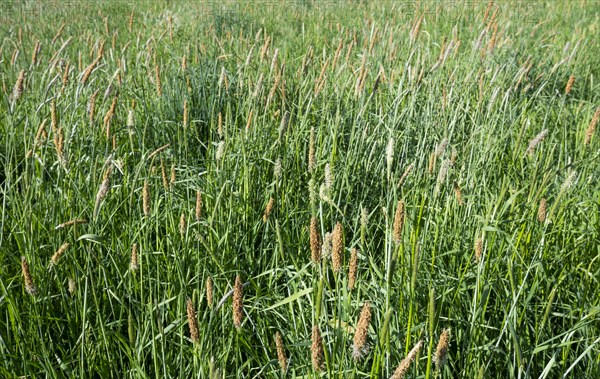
[336,189]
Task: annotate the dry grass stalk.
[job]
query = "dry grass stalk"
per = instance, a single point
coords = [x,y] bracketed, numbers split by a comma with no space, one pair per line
[238,304]
[59,253]
[29,285]
[398,222]
[192,321]
[268,209]
[57,35]
[89,69]
[283,361]
[146,198]
[198,212]
[209,292]
[441,352]
[589,133]
[76,221]
[360,347]
[541,215]
[402,369]
[352,269]
[316,349]
[315,241]
[337,248]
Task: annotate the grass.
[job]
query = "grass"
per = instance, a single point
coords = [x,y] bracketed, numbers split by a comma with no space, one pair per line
[458,92]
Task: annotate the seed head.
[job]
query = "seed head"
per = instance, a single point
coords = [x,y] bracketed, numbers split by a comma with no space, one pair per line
[478,249]
[443,171]
[29,286]
[569,85]
[592,127]
[311,150]
[441,353]
[326,248]
[541,215]
[360,347]
[182,224]
[134,266]
[328,177]
[277,169]
[77,221]
[316,349]
[220,151]
[72,286]
[238,305]
[59,252]
[441,147]
[209,292]
[535,141]
[398,222]
[407,361]
[146,198]
[198,205]
[103,190]
[390,156]
[406,172]
[173,178]
[352,269]
[337,248]
[283,362]
[458,193]
[268,209]
[18,89]
[192,321]
[315,241]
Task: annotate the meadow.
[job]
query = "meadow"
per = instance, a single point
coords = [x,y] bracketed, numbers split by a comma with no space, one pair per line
[300,189]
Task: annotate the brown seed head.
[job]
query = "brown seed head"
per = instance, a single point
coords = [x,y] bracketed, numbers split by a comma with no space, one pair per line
[311,150]
[59,252]
[398,222]
[458,194]
[146,198]
[569,85]
[173,178]
[360,347]
[182,224]
[76,221]
[315,241]
[185,114]
[238,305]
[209,292]
[134,266]
[337,248]
[198,205]
[542,211]
[352,269]
[192,321]
[441,353]
[407,361]
[18,89]
[589,133]
[478,249]
[29,286]
[316,349]
[283,362]
[268,209]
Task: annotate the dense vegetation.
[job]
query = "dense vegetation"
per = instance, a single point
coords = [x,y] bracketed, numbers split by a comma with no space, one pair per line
[186,185]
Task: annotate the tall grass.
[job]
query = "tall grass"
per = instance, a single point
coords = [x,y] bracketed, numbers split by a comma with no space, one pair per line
[355,190]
